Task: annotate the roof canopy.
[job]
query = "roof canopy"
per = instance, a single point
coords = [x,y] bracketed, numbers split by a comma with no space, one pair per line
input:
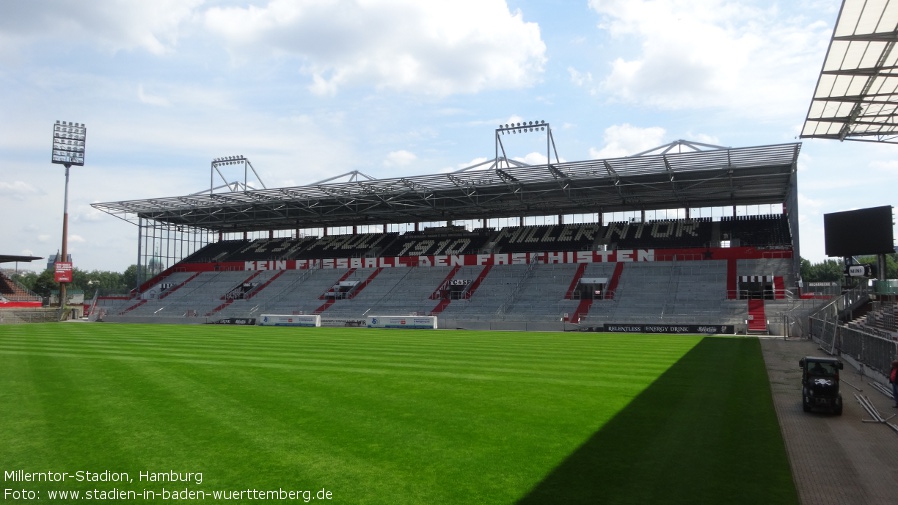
[857,91]
[9,258]
[719,177]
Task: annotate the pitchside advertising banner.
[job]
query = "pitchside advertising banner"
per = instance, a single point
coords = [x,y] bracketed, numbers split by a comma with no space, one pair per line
[415,322]
[710,329]
[290,320]
[63,271]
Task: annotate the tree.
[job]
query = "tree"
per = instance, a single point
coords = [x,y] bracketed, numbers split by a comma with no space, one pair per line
[26,278]
[93,282]
[827,271]
[891,264]
[45,283]
[129,278]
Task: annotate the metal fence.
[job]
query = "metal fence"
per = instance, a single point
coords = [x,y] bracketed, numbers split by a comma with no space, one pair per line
[874,351]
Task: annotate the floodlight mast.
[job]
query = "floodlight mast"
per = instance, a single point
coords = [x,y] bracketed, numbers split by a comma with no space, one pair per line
[525,127]
[235,185]
[68,149]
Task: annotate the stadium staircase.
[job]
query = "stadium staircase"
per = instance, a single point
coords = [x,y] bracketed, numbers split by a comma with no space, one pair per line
[478,281]
[264,285]
[230,299]
[581,311]
[779,287]
[438,293]
[441,306]
[330,300]
[358,289]
[757,319]
[732,277]
[132,307]
[615,281]
[575,281]
[178,286]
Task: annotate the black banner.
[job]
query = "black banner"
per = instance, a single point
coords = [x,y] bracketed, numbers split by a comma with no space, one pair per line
[706,329]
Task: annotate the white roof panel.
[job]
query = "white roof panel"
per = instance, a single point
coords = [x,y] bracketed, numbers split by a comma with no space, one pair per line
[857,92]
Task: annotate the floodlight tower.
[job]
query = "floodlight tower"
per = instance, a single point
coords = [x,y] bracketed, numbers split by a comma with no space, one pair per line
[232,185]
[68,149]
[525,127]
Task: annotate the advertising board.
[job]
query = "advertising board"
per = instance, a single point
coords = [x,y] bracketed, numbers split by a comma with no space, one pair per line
[416,322]
[290,320]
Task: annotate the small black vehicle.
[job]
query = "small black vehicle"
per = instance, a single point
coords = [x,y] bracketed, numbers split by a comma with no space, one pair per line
[820,384]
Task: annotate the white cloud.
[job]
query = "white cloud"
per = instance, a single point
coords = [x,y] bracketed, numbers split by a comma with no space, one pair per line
[703,138]
[885,166]
[18,190]
[400,158]
[111,25]
[429,48]
[580,79]
[807,205]
[625,139]
[480,163]
[713,53]
[150,99]
[535,158]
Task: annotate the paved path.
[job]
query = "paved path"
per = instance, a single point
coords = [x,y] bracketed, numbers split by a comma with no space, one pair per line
[838,460]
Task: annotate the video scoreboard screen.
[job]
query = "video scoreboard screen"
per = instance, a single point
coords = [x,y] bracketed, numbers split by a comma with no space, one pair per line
[859,232]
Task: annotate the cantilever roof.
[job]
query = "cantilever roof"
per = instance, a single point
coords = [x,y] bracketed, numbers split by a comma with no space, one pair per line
[857,91]
[720,177]
[9,258]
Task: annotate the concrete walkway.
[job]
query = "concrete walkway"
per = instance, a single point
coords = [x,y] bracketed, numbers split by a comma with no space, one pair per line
[838,460]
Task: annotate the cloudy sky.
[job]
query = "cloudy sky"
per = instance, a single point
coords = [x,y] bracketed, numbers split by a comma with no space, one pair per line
[309,89]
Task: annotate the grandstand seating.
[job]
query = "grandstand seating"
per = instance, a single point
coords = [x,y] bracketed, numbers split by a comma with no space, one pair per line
[216,251]
[678,233]
[433,243]
[347,246]
[269,249]
[568,237]
[756,231]
[695,290]
[12,291]
[881,321]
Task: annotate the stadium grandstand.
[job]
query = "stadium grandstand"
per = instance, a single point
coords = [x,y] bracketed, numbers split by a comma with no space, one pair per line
[664,240]
[17,303]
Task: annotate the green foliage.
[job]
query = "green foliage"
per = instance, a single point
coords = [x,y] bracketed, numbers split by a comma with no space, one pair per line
[829,270]
[891,264]
[398,417]
[832,270]
[95,281]
[44,283]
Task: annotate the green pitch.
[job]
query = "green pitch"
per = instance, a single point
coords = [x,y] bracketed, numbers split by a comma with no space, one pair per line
[130,412]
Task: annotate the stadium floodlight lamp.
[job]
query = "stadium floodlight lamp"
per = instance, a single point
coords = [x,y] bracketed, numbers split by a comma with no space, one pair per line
[524,127]
[228,160]
[68,143]
[68,149]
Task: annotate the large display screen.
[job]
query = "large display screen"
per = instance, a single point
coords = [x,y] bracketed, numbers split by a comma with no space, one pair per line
[859,232]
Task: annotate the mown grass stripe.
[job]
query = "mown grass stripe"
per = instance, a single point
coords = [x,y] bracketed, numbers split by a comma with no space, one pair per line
[380,416]
[486,365]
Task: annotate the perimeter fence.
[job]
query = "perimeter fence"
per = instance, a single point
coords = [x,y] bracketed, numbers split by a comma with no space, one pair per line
[869,347]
